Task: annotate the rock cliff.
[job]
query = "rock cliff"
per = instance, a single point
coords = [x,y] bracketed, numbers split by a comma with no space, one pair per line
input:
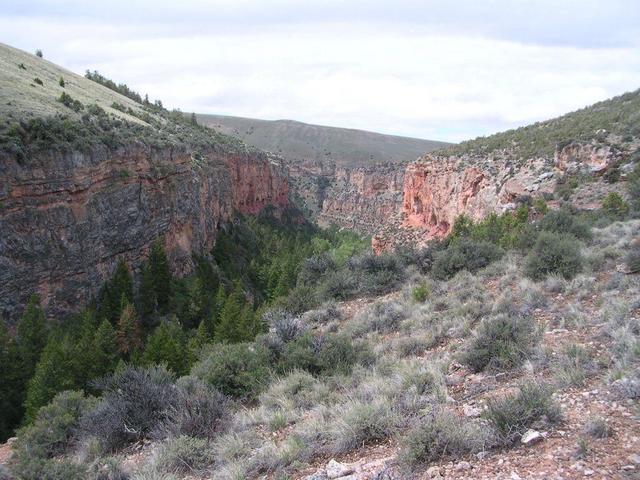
[67,218]
[439,188]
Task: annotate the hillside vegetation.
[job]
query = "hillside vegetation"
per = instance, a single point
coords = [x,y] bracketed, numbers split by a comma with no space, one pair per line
[44,108]
[618,116]
[516,325]
[298,141]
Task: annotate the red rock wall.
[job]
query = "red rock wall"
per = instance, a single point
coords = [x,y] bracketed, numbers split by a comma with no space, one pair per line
[65,220]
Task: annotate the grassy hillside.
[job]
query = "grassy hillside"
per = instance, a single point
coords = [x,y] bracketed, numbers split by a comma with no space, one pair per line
[22,97]
[619,116]
[44,107]
[296,141]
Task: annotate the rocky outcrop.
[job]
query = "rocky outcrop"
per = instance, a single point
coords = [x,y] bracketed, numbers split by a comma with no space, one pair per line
[354,197]
[437,189]
[361,198]
[587,157]
[67,218]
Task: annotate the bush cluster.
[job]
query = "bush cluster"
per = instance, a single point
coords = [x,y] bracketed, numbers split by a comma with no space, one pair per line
[501,342]
[554,253]
[464,254]
[511,416]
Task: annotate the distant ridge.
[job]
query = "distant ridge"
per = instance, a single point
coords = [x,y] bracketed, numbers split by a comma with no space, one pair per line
[301,141]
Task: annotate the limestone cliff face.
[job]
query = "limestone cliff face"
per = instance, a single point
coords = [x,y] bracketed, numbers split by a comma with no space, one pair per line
[437,189]
[358,198]
[361,198]
[65,220]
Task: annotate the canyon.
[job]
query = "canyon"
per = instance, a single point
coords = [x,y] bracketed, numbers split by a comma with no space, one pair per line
[67,219]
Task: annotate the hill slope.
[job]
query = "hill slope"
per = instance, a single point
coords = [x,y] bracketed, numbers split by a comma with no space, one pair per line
[297,141]
[619,116]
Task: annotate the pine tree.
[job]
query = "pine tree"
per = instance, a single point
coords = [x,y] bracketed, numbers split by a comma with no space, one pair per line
[167,345]
[128,335]
[31,336]
[218,304]
[248,328]
[105,347]
[161,275]
[147,298]
[84,360]
[110,297]
[194,120]
[11,385]
[53,374]
[228,328]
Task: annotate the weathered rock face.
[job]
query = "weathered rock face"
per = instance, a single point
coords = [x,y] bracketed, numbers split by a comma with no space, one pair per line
[357,198]
[437,189]
[591,157]
[360,199]
[65,220]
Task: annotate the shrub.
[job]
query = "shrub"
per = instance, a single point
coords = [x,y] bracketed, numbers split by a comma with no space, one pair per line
[464,254]
[54,427]
[632,259]
[39,53]
[511,416]
[37,81]
[52,469]
[420,293]
[185,455]
[441,433]
[239,370]
[615,206]
[501,342]
[70,102]
[554,253]
[597,427]
[134,403]
[198,411]
[108,468]
[383,317]
[319,354]
[358,423]
[573,365]
[561,221]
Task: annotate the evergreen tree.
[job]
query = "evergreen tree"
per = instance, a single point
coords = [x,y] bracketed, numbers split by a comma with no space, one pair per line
[167,345]
[53,374]
[161,275]
[105,347]
[11,385]
[84,360]
[195,344]
[229,328]
[218,304]
[31,336]
[147,299]
[110,297]
[248,327]
[194,120]
[129,336]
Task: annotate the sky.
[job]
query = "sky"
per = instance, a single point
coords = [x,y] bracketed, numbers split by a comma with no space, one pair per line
[434,69]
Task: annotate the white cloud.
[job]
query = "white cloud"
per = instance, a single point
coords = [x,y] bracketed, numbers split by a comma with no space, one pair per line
[395,75]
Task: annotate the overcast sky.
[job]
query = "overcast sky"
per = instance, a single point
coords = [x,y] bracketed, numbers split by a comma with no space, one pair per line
[445,70]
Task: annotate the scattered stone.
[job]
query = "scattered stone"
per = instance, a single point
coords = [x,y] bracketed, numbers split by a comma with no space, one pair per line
[530,437]
[319,475]
[482,455]
[434,472]
[515,476]
[588,472]
[336,469]
[471,411]
[634,458]
[463,465]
